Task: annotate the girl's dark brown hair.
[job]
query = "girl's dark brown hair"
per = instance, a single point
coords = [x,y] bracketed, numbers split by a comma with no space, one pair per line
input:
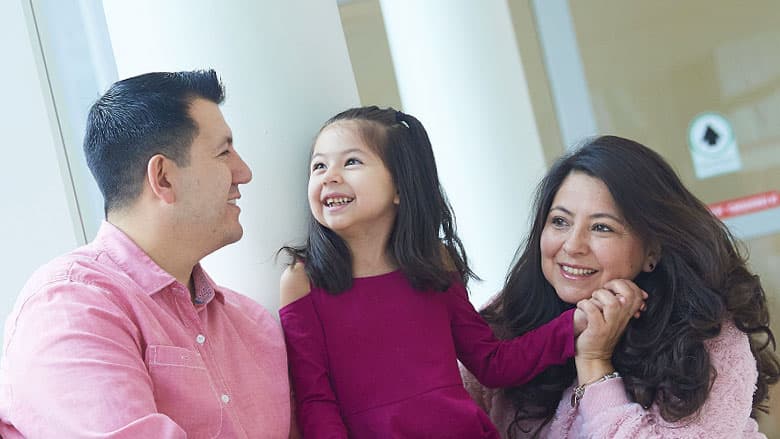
[424,228]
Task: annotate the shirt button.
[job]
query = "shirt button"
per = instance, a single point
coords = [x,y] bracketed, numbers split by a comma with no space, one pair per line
[225,398]
[200,338]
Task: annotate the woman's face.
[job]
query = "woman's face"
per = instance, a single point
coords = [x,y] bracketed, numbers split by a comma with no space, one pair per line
[587,242]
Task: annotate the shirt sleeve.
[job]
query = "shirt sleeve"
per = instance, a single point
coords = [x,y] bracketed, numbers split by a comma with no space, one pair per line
[74,368]
[607,411]
[317,408]
[504,363]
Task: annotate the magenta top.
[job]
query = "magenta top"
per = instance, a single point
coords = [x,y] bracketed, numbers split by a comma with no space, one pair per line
[379,360]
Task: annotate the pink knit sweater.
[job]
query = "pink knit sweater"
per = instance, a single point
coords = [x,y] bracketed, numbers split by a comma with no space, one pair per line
[606,412]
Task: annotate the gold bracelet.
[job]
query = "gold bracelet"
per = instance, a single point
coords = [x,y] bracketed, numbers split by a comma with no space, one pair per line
[579,391]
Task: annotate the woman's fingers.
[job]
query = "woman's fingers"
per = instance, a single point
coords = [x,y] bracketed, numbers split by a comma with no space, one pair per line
[592,311]
[629,293]
[595,341]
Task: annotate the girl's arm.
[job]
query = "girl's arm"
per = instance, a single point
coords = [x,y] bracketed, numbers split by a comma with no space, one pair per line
[504,363]
[317,408]
[607,412]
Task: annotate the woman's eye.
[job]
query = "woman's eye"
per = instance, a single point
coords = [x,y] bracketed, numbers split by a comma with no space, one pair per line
[558,221]
[352,161]
[602,228]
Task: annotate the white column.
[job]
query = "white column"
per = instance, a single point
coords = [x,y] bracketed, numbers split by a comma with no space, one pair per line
[564,67]
[79,68]
[286,70]
[39,217]
[459,72]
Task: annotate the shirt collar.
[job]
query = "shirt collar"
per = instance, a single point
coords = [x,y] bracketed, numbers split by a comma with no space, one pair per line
[205,288]
[142,270]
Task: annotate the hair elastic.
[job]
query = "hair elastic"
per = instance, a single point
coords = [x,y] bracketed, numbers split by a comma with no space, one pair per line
[399,117]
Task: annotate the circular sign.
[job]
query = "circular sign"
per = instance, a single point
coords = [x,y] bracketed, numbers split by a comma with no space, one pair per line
[710,134]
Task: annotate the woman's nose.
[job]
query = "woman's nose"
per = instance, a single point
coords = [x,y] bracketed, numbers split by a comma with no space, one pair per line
[576,242]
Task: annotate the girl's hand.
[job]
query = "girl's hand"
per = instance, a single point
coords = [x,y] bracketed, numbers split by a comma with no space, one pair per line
[607,313]
[580,321]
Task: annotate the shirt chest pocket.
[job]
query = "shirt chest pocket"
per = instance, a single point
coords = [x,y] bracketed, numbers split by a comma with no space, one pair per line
[184,391]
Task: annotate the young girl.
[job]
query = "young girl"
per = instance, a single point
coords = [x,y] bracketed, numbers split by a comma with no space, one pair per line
[374,306]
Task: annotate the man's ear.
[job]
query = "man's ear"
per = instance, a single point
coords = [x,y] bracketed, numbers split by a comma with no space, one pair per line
[160,171]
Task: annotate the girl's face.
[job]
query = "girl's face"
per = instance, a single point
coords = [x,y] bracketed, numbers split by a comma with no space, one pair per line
[351,190]
[587,242]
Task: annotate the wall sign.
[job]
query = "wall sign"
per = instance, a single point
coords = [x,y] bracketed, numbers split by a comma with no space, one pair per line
[745,205]
[713,146]
[752,216]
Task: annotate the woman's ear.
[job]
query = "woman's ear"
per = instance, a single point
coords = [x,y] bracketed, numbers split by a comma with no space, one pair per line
[158,175]
[652,258]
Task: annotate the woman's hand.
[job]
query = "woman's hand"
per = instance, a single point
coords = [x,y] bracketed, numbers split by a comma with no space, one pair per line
[607,312]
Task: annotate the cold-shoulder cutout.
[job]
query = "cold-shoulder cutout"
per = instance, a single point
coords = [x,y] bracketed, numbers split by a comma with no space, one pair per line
[293,284]
[446,259]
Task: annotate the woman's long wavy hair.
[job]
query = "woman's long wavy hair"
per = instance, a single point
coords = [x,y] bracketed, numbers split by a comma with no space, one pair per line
[423,240]
[701,279]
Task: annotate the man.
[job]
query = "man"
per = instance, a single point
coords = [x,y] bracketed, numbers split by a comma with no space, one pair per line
[128,337]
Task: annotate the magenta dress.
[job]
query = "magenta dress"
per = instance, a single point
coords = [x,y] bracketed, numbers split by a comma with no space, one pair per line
[379,360]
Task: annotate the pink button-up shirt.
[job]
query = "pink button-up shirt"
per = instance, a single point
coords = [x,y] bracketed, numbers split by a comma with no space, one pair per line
[103,343]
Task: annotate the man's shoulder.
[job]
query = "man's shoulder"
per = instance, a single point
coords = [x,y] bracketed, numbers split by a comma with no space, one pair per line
[82,274]
[238,304]
[85,264]
[241,301]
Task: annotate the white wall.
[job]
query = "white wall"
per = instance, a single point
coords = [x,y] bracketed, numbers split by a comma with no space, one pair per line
[37,220]
[286,70]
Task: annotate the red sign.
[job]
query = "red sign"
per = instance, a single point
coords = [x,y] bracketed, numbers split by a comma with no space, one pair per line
[745,205]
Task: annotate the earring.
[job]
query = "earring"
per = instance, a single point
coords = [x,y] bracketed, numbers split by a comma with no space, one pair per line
[652,266]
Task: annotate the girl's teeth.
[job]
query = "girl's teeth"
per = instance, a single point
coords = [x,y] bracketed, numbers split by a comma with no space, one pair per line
[330,202]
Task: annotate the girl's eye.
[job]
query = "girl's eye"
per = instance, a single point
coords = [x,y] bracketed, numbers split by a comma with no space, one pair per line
[602,228]
[558,221]
[317,166]
[352,161]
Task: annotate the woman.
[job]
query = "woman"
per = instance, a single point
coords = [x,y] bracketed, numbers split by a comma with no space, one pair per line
[699,360]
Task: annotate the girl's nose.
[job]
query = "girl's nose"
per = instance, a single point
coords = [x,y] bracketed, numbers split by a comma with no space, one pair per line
[332,176]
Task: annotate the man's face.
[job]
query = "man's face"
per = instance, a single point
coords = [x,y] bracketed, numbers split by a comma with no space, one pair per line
[206,197]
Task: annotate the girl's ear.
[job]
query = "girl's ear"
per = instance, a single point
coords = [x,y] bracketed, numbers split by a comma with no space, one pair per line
[397,199]
[159,172]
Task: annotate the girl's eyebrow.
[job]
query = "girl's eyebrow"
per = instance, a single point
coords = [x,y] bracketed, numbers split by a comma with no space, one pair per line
[594,216]
[345,152]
